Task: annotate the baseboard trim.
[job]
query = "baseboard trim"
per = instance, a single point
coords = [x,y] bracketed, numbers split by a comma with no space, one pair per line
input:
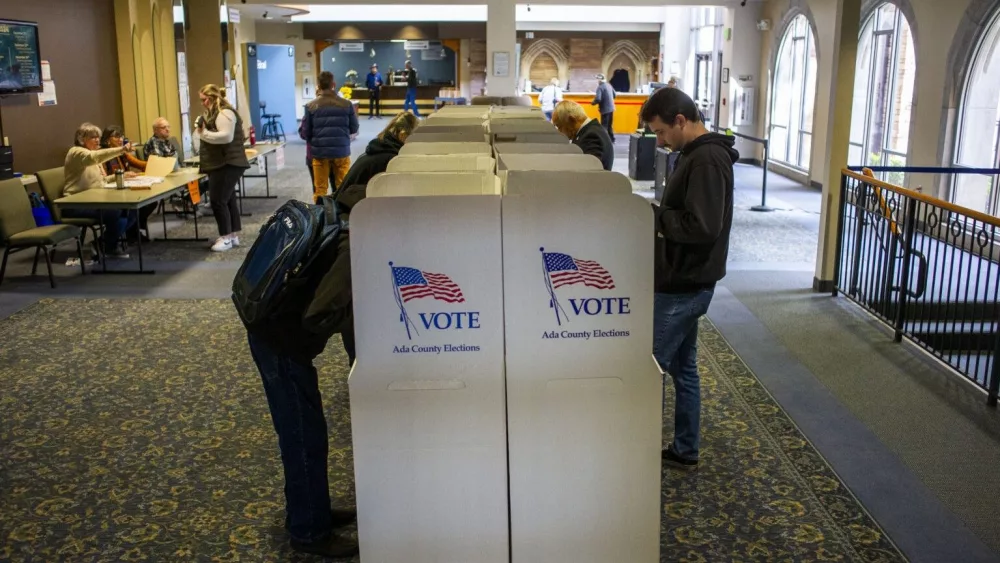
[816,185]
[823,286]
[750,161]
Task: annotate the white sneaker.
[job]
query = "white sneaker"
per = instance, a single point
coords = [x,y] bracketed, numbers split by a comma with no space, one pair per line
[222,245]
[235,241]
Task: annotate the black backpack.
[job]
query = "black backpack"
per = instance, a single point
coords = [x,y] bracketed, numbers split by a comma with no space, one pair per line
[298,241]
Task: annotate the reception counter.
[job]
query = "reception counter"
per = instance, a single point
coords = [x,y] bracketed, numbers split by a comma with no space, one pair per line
[394,96]
[627,108]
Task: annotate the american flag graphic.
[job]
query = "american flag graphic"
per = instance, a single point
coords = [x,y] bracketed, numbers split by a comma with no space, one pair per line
[415,284]
[563,270]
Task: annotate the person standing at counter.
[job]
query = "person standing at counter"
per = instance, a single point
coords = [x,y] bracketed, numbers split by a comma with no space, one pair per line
[604,99]
[570,119]
[550,96]
[374,84]
[411,89]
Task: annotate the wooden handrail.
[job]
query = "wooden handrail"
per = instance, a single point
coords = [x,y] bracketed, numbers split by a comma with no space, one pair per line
[947,205]
[883,204]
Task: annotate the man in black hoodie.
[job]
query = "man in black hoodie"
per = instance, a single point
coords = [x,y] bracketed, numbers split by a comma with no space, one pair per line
[693,221]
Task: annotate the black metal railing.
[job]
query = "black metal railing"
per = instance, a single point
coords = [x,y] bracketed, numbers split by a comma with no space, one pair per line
[926,267]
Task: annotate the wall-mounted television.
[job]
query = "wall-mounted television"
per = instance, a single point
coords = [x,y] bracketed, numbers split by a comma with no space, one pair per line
[20,61]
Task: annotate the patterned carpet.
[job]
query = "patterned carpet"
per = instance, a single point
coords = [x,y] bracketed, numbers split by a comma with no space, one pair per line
[137,430]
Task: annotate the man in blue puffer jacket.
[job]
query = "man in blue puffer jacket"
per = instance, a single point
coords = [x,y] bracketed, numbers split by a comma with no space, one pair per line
[329,126]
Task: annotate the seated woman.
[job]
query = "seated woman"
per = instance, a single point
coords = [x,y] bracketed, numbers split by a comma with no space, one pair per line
[113,137]
[380,151]
[586,133]
[85,171]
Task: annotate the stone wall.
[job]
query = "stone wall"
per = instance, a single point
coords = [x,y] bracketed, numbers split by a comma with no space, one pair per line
[575,61]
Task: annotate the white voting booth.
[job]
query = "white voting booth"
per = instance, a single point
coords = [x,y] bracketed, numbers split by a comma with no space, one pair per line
[446,148]
[427,389]
[566,183]
[507,161]
[434,183]
[505,406]
[583,392]
[564,147]
[442,163]
[432,136]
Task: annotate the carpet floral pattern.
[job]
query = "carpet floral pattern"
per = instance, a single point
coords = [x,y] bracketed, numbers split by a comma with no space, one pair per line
[142,434]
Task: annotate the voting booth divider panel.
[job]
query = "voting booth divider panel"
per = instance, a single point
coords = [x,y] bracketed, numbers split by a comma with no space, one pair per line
[565,183]
[391,184]
[562,147]
[446,148]
[427,389]
[442,163]
[583,392]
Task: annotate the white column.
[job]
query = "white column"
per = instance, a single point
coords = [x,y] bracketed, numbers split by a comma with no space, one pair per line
[501,40]
[838,24]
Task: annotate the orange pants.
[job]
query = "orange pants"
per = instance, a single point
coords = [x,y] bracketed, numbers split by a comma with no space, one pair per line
[322,167]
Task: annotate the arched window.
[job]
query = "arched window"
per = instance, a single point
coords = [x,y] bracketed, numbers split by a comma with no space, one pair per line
[977,134]
[793,96]
[883,92]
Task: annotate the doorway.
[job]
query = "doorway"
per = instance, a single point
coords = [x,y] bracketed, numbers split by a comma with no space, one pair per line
[276,84]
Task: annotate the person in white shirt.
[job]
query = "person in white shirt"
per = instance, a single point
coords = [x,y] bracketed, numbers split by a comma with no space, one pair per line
[550,96]
[223,159]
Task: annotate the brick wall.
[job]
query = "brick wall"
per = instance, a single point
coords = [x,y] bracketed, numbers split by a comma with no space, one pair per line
[543,70]
[585,57]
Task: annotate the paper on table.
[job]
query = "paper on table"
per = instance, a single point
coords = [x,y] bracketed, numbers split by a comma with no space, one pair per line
[47,97]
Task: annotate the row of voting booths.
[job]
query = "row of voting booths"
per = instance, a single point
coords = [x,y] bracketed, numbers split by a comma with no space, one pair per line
[505,406]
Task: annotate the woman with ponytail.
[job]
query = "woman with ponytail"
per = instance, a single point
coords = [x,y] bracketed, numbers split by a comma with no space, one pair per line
[381,150]
[222,157]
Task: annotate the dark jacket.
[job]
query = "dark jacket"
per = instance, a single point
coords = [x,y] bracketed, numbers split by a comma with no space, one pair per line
[411,78]
[695,216]
[311,318]
[374,161]
[593,139]
[328,125]
[213,157]
[604,99]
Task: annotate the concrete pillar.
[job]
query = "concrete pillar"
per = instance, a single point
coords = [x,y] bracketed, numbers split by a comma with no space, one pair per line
[838,24]
[205,62]
[501,37]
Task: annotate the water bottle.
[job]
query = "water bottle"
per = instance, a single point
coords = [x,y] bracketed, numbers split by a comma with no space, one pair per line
[120,179]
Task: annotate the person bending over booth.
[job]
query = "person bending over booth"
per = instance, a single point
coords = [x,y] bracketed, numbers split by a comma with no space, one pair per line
[381,150]
[329,126]
[284,350]
[592,138]
[84,171]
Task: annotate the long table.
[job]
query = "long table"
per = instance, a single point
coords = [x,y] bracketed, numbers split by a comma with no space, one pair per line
[132,200]
[262,150]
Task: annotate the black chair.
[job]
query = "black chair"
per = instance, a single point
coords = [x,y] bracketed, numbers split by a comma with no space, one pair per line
[272,129]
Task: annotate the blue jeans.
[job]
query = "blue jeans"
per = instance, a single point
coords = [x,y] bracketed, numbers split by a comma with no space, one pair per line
[292,390]
[548,115]
[675,347]
[115,222]
[411,101]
